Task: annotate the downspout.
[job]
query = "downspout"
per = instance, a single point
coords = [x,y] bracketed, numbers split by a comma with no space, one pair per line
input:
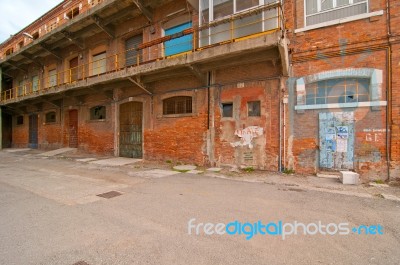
[280,126]
[388,91]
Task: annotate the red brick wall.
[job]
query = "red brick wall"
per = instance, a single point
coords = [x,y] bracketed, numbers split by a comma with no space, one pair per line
[178,138]
[265,151]
[20,133]
[370,142]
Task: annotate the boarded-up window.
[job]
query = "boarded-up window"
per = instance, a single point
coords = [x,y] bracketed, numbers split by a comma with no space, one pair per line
[181,44]
[98,113]
[254,108]
[177,105]
[20,120]
[51,117]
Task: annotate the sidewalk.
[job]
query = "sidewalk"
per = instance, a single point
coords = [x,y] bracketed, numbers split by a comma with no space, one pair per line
[286,182]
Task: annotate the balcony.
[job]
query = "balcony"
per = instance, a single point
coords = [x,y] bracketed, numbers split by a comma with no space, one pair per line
[191,50]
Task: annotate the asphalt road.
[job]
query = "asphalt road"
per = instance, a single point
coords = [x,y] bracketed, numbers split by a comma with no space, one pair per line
[50,214]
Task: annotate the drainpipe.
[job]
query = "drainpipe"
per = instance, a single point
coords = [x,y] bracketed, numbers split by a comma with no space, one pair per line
[388,90]
[280,125]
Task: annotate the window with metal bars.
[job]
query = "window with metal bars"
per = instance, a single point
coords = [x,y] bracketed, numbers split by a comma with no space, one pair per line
[341,90]
[177,105]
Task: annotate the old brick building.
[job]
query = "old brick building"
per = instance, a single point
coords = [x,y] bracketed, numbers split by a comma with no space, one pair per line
[343,110]
[308,85]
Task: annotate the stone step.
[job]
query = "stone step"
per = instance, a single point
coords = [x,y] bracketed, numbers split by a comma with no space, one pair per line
[349,178]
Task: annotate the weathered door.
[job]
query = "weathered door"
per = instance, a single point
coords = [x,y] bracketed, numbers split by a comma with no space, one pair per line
[336,140]
[73,128]
[33,131]
[133,57]
[73,65]
[131,133]
[6,130]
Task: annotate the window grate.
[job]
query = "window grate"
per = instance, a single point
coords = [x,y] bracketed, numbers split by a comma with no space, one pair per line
[177,105]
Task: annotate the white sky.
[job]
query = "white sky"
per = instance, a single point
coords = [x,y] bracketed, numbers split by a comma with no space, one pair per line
[17,14]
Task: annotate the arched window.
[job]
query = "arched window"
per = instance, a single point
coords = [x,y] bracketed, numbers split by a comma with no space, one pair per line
[177,105]
[50,117]
[98,113]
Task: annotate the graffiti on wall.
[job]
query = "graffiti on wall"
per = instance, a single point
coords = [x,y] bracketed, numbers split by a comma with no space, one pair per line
[247,135]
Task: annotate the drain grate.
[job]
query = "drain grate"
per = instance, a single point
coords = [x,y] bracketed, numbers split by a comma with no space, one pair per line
[110,194]
[81,262]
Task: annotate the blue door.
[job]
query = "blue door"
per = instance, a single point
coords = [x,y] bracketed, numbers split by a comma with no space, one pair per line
[181,44]
[336,140]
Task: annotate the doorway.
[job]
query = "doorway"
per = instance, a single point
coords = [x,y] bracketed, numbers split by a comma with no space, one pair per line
[6,130]
[336,140]
[33,131]
[131,131]
[73,128]
[73,65]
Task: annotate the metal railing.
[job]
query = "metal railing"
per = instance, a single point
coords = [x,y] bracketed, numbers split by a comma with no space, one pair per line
[73,10]
[262,20]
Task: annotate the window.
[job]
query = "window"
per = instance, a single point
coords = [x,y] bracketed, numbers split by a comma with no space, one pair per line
[20,45]
[51,117]
[248,24]
[242,5]
[227,109]
[254,108]
[9,51]
[35,83]
[20,120]
[181,44]
[319,11]
[95,2]
[52,81]
[72,13]
[21,88]
[341,90]
[223,8]
[35,35]
[99,63]
[177,105]
[98,113]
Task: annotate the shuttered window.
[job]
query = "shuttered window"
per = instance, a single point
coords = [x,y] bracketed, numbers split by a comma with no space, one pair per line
[133,56]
